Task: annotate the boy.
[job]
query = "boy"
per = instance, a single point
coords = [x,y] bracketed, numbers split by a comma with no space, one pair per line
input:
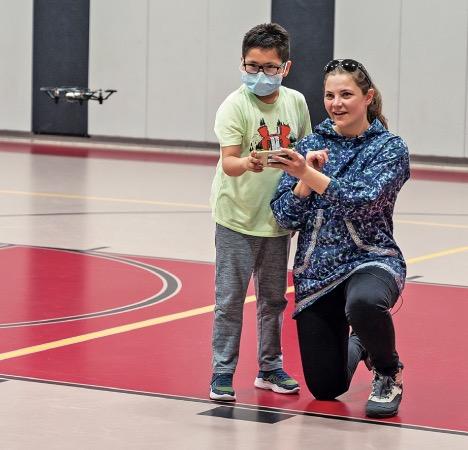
[260,115]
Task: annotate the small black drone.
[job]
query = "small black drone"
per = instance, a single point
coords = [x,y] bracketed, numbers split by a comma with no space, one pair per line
[77,94]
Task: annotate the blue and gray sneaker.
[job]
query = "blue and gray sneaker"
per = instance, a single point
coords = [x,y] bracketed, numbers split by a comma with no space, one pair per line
[277,381]
[221,387]
[386,395]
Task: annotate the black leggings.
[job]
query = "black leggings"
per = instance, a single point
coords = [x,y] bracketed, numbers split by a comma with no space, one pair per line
[329,356]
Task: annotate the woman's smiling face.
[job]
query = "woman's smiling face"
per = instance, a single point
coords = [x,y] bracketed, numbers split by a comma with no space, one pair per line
[346,104]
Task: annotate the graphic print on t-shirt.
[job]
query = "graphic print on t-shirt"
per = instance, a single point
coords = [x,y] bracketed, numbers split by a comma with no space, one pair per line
[280,138]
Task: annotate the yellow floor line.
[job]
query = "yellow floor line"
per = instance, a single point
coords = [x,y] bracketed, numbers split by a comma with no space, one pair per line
[115,330]
[432,224]
[450,251]
[105,199]
[168,318]
[185,205]
[106,332]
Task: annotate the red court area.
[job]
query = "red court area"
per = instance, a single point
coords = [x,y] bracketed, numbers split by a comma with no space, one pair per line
[48,295]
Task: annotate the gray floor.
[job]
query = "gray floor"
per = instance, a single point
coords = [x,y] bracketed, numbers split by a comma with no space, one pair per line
[44,416]
[154,209]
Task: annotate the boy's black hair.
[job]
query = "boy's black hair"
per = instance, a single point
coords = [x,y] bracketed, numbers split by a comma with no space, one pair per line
[266,36]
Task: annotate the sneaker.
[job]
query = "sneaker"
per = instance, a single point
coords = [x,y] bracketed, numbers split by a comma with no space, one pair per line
[386,395]
[277,381]
[221,387]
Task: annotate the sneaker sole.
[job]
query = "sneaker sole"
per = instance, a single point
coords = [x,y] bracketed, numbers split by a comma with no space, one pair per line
[222,397]
[262,384]
[381,414]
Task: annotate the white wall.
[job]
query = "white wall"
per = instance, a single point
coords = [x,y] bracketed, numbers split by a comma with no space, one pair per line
[177,70]
[416,50]
[372,38]
[433,75]
[172,62]
[118,41]
[16,64]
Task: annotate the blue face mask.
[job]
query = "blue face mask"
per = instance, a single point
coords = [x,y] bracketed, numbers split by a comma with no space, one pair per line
[261,84]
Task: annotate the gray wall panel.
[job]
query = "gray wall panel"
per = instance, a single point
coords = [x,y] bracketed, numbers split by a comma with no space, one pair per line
[227,25]
[177,70]
[433,76]
[465,153]
[411,48]
[361,34]
[16,70]
[143,49]
[118,59]
[311,27]
[171,62]
[60,58]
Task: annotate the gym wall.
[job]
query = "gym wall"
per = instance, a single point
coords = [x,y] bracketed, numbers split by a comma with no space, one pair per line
[16,19]
[60,58]
[174,62]
[416,50]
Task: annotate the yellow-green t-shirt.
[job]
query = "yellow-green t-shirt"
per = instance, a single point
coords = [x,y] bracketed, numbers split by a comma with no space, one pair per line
[243,203]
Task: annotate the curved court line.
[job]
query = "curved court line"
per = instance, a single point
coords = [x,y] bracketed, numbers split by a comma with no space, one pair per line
[164,319]
[171,286]
[116,330]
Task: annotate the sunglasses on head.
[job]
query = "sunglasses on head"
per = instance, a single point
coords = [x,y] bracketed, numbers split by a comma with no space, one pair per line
[350,65]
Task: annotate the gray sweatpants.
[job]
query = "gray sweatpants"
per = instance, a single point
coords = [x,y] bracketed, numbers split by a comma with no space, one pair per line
[238,256]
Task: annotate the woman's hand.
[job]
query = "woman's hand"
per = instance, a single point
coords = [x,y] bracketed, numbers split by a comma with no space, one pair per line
[317,158]
[294,164]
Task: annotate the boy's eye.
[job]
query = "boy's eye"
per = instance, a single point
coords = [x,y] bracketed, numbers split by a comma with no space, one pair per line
[251,68]
[271,69]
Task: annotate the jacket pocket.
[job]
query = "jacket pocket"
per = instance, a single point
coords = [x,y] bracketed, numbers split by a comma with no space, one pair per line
[313,242]
[368,248]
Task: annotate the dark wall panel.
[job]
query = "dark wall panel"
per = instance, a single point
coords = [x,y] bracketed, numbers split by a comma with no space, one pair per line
[310,24]
[60,58]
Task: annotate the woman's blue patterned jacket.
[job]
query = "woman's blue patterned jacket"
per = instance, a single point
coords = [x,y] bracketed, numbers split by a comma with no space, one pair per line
[350,225]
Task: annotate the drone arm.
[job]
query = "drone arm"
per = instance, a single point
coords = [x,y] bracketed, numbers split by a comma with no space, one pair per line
[109,92]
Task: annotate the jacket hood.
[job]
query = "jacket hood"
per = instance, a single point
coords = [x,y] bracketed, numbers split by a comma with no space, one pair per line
[325,129]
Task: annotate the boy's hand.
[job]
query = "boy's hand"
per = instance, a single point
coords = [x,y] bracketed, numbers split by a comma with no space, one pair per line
[252,163]
[317,158]
[234,165]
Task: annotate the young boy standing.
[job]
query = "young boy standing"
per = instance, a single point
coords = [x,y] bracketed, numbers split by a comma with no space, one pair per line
[260,115]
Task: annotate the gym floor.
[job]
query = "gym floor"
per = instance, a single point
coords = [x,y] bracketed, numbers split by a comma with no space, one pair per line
[107,297]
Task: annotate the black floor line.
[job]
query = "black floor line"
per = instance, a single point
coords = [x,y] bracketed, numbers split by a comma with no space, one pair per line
[236,405]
